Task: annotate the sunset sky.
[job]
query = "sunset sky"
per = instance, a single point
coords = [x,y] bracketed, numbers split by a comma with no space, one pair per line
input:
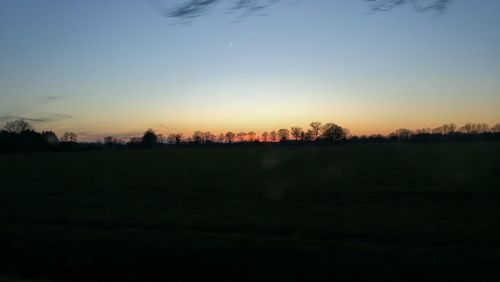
[119,67]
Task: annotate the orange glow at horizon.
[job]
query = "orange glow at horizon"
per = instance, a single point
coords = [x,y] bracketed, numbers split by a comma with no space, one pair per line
[355,128]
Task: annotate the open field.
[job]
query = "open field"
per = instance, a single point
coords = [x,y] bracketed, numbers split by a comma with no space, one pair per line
[400,211]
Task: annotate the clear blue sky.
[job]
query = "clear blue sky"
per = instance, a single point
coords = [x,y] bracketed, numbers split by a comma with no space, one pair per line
[118,67]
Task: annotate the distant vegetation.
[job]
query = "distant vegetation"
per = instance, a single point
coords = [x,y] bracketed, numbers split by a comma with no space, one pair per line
[20,136]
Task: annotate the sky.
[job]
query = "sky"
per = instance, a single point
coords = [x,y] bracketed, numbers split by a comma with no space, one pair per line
[118,67]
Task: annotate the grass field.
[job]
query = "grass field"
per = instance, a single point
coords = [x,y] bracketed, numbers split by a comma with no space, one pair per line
[288,213]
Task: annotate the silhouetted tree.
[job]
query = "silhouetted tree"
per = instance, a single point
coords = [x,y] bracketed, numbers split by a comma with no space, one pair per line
[426,130]
[483,127]
[229,137]
[297,132]
[449,128]
[443,129]
[331,132]
[315,129]
[208,137]
[376,138]
[474,128]
[221,138]
[495,128]
[197,137]
[273,136]
[467,128]
[264,136]
[251,136]
[402,134]
[283,134]
[109,140]
[241,136]
[134,143]
[69,137]
[19,136]
[175,138]
[17,126]
[308,136]
[437,130]
[135,140]
[161,138]
[50,137]
[149,139]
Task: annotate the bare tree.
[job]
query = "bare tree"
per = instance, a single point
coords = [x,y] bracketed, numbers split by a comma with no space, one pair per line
[402,134]
[203,137]
[220,138]
[284,134]
[229,137]
[17,126]
[175,138]
[467,128]
[171,139]
[69,137]
[198,137]
[110,140]
[443,129]
[161,138]
[437,130]
[208,137]
[134,142]
[308,136]
[482,127]
[495,128]
[474,128]
[315,129]
[426,130]
[273,136]
[251,136]
[264,136]
[241,136]
[449,128]
[297,132]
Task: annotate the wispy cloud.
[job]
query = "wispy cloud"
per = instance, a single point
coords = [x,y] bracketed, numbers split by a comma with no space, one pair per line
[189,9]
[53,98]
[49,118]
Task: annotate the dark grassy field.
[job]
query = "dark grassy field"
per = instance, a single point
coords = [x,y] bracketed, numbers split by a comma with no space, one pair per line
[365,211]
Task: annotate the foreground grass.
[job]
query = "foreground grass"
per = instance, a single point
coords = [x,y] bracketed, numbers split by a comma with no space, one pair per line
[400,211]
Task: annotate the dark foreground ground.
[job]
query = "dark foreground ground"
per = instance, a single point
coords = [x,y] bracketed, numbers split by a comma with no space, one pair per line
[422,212]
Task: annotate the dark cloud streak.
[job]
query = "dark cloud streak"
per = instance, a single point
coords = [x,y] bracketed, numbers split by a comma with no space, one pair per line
[52,98]
[435,6]
[50,118]
[190,9]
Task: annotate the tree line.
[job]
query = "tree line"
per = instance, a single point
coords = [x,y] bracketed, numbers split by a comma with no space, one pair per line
[20,136]
[328,133]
